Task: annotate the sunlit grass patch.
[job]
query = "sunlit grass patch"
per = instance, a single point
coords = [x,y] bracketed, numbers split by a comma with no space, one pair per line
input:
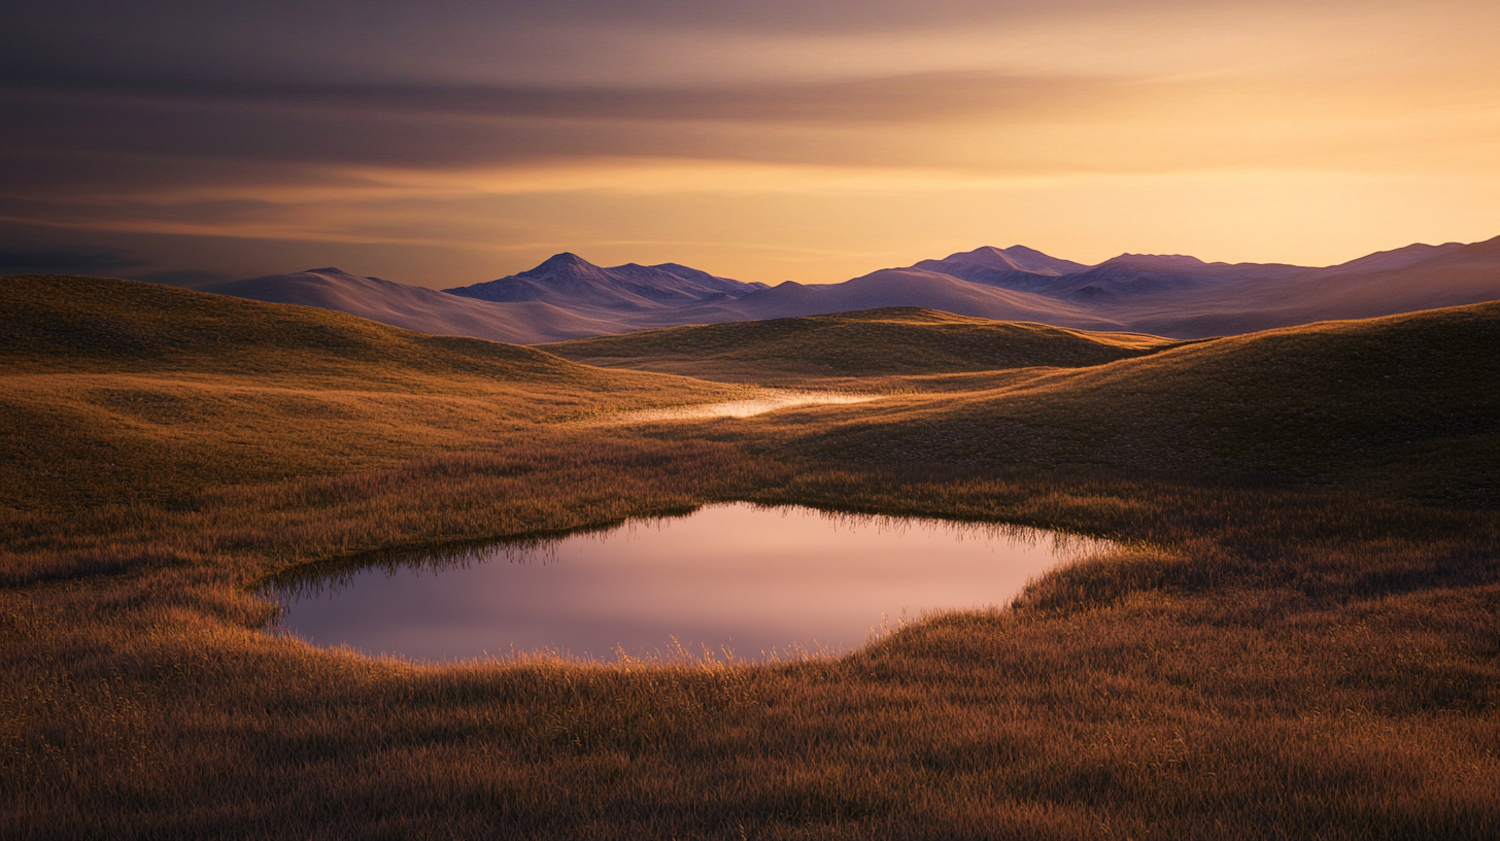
[895,341]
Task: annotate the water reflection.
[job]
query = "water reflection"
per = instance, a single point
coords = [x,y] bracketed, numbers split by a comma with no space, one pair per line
[737,579]
[769,401]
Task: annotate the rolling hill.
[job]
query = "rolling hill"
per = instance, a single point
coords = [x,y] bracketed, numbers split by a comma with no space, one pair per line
[1399,401]
[78,324]
[116,391]
[865,343]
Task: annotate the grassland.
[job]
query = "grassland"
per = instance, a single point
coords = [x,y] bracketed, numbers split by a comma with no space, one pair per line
[884,342]
[1300,637]
[119,392]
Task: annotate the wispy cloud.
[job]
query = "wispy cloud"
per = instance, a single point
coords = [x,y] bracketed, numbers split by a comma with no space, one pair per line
[493,128]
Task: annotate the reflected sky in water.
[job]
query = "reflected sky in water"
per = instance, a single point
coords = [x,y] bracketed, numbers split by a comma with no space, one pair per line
[768,401]
[733,578]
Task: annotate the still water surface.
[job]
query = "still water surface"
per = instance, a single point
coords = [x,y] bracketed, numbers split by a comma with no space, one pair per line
[767,401]
[732,578]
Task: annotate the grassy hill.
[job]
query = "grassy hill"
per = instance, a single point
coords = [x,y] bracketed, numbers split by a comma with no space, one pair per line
[123,391]
[1406,401]
[71,324]
[901,340]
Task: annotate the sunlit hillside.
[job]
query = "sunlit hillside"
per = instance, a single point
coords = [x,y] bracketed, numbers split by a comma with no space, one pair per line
[116,391]
[74,324]
[903,340]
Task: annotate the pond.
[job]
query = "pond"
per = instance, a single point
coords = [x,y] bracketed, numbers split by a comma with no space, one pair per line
[734,580]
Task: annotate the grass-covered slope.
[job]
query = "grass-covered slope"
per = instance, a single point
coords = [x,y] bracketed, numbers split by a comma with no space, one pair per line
[903,340]
[1407,400]
[74,324]
[120,391]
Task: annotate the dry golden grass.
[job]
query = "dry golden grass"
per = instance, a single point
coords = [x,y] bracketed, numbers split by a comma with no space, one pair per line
[118,392]
[895,341]
[1270,658]
[1405,405]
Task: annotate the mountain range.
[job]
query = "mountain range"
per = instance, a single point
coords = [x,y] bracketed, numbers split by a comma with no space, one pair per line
[567,280]
[1176,296]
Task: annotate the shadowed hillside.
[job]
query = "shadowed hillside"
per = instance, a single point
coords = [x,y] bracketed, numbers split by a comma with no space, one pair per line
[873,342]
[1403,401]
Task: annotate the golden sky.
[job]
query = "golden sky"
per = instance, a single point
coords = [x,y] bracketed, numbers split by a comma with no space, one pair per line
[462,141]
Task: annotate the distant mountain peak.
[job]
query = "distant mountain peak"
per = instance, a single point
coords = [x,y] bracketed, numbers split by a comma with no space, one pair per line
[1155,261]
[1019,250]
[989,264]
[564,258]
[1014,258]
[333,273]
[329,271]
[983,250]
[568,280]
[565,261]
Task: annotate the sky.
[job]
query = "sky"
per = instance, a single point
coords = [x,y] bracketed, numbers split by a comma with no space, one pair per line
[456,141]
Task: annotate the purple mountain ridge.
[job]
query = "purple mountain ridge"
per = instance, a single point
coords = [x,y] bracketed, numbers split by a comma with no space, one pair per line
[1169,295]
[1017,258]
[416,307]
[569,280]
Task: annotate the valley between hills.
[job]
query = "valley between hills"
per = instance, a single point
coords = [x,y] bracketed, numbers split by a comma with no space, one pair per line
[1296,636]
